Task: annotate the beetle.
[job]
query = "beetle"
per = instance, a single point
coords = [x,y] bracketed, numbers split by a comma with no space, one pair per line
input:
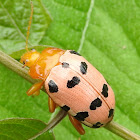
[71,83]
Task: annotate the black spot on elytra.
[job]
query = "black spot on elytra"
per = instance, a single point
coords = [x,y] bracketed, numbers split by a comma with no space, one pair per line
[74,52]
[52,86]
[65,65]
[75,81]
[80,116]
[96,103]
[105,91]
[83,68]
[66,108]
[111,111]
[97,125]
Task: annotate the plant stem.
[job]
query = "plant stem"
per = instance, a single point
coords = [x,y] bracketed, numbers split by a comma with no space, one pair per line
[121,131]
[17,67]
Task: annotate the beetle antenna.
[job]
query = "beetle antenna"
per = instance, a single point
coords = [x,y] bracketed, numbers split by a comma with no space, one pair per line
[29,26]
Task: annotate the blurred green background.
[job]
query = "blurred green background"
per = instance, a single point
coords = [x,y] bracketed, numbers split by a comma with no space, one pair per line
[105,32]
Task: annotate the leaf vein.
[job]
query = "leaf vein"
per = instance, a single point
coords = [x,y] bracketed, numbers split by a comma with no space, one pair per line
[7,136]
[86,26]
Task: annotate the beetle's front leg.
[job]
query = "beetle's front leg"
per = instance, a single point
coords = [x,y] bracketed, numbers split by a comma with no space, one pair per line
[77,125]
[35,89]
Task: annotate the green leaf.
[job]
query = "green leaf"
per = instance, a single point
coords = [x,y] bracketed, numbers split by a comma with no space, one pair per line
[23,129]
[106,33]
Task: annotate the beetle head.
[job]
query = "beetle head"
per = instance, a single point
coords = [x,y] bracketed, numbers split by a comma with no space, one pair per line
[29,58]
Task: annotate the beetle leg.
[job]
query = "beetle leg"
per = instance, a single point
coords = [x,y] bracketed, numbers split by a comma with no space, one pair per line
[52,105]
[77,125]
[35,89]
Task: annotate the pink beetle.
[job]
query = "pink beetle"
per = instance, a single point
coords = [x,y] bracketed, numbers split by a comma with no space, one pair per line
[73,84]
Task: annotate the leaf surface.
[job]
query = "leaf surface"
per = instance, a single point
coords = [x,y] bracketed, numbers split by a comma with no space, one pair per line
[23,129]
[106,33]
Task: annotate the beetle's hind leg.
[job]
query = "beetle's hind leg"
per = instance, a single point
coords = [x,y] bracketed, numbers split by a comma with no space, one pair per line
[35,89]
[77,125]
[52,105]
